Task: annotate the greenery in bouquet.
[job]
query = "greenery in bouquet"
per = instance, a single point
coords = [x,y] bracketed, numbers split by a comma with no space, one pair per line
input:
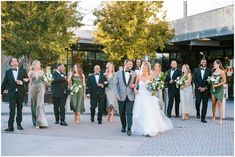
[47,78]
[213,80]
[76,87]
[181,81]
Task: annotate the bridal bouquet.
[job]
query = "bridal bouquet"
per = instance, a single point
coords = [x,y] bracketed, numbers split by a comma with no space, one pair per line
[181,81]
[75,87]
[160,80]
[213,80]
[152,87]
[47,78]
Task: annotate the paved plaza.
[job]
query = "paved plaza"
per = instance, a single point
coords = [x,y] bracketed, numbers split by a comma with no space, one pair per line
[187,138]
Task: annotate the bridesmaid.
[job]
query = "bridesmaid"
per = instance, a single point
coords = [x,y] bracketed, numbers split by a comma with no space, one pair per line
[77,100]
[186,93]
[112,104]
[36,95]
[157,71]
[218,92]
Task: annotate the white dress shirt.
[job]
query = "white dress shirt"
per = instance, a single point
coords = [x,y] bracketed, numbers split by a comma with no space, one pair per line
[172,72]
[127,77]
[202,72]
[15,73]
[97,78]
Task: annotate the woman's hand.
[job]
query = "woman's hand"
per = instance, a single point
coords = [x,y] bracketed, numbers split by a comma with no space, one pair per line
[136,91]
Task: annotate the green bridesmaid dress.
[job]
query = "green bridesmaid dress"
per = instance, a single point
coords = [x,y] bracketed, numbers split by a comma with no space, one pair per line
[218,92]
[77,99]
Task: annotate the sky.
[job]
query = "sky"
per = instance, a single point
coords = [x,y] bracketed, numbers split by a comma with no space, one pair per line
[174,8]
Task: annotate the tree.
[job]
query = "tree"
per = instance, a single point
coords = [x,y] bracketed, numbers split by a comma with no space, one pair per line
[38,29]
[131,29]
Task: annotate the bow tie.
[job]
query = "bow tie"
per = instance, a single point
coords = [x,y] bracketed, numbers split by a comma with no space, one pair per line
[173,69]
[97,74]
[137,69]
[202,68]
[14,69]
[127,71]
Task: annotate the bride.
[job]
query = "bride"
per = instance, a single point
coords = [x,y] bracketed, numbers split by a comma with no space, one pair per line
[148,119]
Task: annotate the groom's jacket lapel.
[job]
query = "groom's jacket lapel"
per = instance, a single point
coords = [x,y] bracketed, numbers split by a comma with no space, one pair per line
[129,79]
[123,77]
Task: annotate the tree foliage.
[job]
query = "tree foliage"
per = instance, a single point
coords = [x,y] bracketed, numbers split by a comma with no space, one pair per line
[131,29]
[38,29]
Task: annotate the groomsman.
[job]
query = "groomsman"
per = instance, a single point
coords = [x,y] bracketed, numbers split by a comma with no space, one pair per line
[173,92]
[96,84]
[14,81]
[200,76]
[138,63]
[59,94]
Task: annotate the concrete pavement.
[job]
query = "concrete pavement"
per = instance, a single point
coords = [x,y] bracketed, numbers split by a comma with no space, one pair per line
[187,138]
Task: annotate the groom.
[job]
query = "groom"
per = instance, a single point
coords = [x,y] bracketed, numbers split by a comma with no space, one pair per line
[124,91]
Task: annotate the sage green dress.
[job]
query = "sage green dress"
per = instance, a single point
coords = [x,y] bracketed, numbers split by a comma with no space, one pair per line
[77,99]
[218,92]
[36,100]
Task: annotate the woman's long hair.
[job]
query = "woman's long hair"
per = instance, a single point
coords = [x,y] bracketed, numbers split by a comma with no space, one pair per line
[34,63]
[220,64]
[148,67]
[187,68]
[79,70]
[107,68]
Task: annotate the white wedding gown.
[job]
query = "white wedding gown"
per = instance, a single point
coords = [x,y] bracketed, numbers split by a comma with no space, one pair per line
[148,119]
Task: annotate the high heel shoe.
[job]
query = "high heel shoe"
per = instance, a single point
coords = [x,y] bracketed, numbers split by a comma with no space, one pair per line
[220,122]
[213,119]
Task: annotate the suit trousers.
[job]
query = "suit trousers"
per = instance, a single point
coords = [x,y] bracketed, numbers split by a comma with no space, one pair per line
[15,102]
[59,107]
[126,112]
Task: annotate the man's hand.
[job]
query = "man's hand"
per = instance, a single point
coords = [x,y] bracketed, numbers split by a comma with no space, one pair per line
[19,82]
[132,86]
[171,81]
[100,85]
[88,96]
[118,98]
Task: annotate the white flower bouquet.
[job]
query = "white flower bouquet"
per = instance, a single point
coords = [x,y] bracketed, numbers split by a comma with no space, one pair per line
[75,88]
[181,81]
[47,78]
[213,80]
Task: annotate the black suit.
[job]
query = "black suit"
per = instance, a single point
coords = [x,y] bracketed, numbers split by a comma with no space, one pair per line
[59,95]
[173,92]
[16,94]
[201,82]
[97,95]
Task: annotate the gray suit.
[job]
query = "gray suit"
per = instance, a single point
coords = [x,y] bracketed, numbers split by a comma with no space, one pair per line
[127,96]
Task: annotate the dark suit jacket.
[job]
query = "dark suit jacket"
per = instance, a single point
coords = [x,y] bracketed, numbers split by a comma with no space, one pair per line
[10,84]
[176,74]
[197,79]
[58,85]
[92,87]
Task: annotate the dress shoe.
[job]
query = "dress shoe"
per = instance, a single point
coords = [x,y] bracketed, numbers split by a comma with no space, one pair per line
[147,135]
[92,120]
[123,130]
[129,132]
[203,121]
[9,129]
[57,122]
[63,123]
[177,115]
[100,122]
[19,127]
[169,116]
[198,116]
